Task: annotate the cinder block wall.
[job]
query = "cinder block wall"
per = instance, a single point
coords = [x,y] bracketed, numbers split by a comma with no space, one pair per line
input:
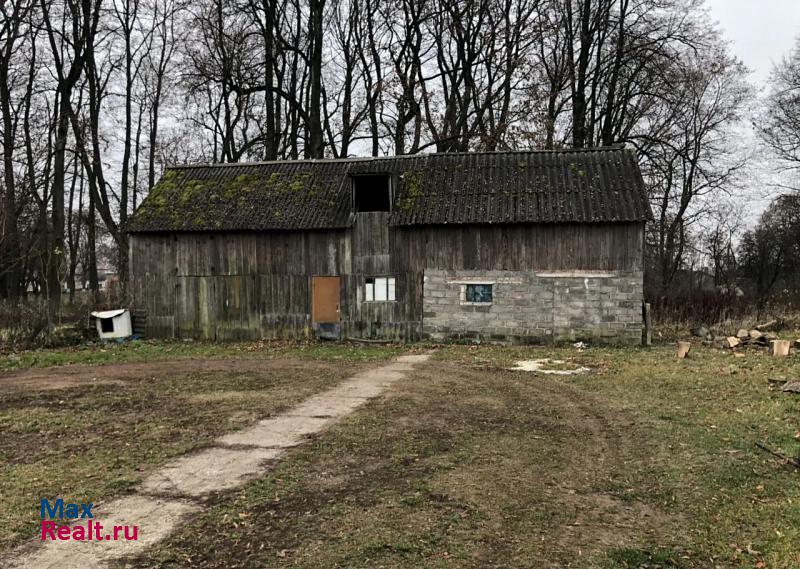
[536,306]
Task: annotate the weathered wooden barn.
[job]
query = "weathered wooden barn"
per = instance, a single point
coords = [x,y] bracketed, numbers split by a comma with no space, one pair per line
[520,246]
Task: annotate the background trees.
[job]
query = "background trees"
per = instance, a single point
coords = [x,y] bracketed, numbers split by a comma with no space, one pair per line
[779,125]
[98,95]
[770,252]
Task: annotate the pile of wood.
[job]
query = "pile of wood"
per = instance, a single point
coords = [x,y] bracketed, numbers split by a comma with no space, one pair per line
[744,338]
[756,338]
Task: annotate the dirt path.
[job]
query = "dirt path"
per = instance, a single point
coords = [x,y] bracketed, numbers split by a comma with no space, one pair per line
[75,375]
[171,495]
[601,441]
[572,454]
[483,466]
[589,447]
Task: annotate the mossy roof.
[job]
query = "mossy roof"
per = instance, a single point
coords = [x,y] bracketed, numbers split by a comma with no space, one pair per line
[595,185]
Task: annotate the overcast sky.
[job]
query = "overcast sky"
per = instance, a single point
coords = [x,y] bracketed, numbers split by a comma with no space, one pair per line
[760,31]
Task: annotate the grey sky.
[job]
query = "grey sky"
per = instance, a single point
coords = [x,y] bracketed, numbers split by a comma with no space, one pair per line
[760,31]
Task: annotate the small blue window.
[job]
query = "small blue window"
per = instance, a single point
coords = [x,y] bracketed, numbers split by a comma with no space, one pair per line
[479,293]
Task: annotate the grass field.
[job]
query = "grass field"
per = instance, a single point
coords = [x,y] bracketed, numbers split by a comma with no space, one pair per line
[91,432]
[142,351]
[646,461]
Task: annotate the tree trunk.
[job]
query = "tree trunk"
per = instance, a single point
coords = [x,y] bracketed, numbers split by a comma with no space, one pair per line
[73,230]
[315,141]
[579,71]
[9,255]
[57,215]
[126,151]
[91,246]
[270,142]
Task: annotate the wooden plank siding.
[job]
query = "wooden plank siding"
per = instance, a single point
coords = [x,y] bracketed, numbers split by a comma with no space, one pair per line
[521,247]
[251,285]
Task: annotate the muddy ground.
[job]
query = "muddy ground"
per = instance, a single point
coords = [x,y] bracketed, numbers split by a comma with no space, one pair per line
[94,432]
[455,467]
[79,375]
[645,461]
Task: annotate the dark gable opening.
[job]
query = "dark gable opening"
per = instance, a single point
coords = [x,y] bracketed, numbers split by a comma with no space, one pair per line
[372,193]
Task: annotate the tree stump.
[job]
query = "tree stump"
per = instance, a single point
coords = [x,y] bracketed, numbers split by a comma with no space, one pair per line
[780,348]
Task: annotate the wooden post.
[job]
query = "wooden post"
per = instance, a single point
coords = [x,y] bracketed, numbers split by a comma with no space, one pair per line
[648,325]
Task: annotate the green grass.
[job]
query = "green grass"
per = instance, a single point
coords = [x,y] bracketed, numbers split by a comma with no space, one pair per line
[636,558]
[649,461]
[702,417]
[99,439]
[150,350]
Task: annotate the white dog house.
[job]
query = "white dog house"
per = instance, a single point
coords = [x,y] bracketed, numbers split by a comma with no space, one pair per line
[112,324]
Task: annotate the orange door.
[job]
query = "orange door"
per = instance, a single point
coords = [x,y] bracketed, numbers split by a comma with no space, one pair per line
[325,298]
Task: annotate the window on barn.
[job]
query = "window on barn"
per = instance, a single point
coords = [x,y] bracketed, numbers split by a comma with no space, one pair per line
[372,193]
[478,293]
[379,289]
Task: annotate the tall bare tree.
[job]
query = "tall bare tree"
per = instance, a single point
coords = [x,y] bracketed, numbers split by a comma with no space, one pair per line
[70,31]
[145,82]
[779,125]
[12,35]
[686,149]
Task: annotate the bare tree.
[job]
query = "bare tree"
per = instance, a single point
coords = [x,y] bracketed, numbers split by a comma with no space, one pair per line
[157,73]
[144,82]
[315,148]
[686,149]
[724,227]
[779,125]
[12,34]
[70,34]
[344,115]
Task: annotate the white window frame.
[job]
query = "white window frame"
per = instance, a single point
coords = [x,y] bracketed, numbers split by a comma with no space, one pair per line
[380,289]
[465,302]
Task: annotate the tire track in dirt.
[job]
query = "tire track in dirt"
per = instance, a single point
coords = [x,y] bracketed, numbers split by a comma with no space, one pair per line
[545,495]
[78,375]
[592,467]
[606,442]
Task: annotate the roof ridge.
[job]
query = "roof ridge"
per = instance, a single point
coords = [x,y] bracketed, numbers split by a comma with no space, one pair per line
[296,161]
[613,148]
[356,159]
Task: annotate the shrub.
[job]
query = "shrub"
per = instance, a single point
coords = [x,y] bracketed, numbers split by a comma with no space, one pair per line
[25,325]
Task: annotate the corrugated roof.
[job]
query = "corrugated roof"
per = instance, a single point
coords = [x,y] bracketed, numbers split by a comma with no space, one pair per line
[593,185]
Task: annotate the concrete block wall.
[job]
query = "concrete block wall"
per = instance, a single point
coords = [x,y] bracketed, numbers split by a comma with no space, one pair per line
[536,306]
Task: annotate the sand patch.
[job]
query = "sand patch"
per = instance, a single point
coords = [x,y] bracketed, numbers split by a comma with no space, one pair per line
[550,367]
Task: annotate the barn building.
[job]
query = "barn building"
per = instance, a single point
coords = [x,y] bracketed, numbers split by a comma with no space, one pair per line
[501,246]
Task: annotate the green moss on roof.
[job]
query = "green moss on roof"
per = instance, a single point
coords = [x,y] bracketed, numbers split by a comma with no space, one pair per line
[441,188]
[240,187]
[159,199]
[191,203]
[411,190]
[577,169]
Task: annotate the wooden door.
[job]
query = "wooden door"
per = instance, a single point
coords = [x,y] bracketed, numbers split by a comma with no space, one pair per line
[325,298]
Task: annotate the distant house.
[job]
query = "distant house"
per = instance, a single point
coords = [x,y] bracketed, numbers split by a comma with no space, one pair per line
[107,278]
[512,246]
